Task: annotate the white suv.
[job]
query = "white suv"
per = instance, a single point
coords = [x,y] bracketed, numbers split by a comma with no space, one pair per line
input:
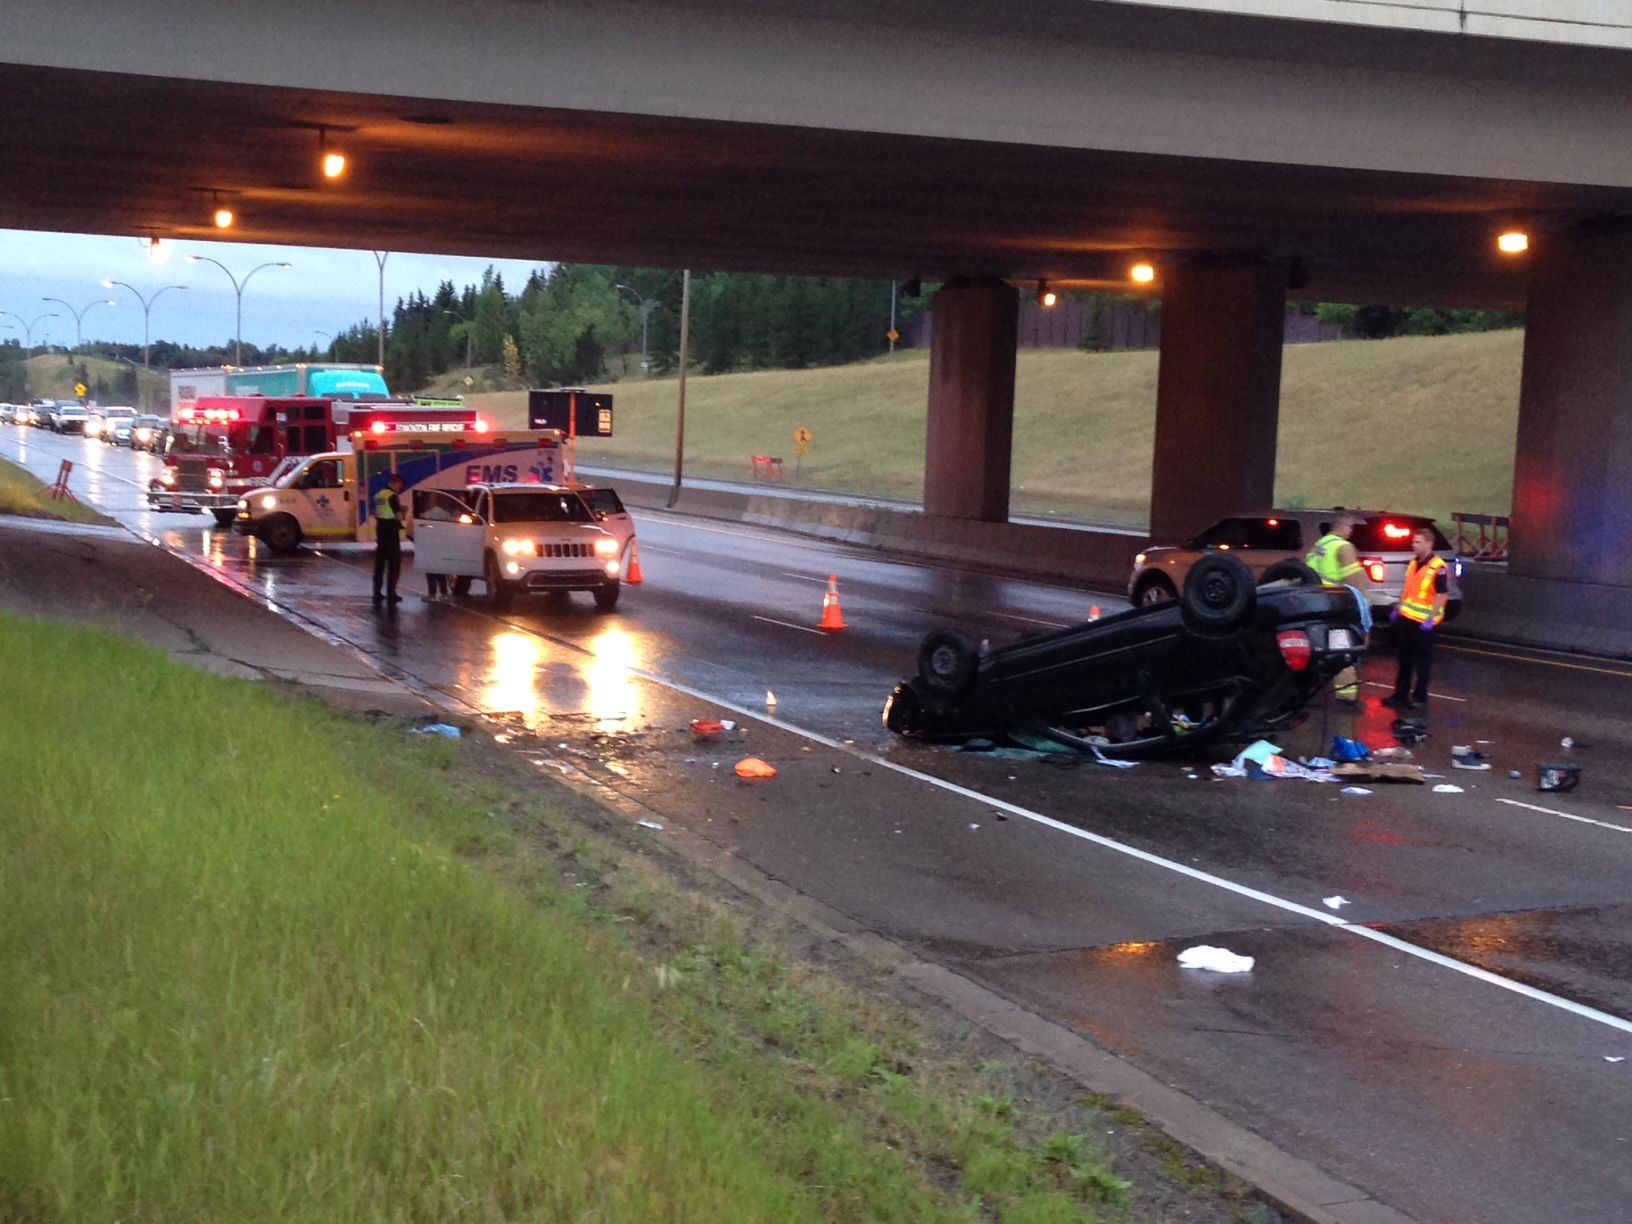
[518,539]
[1382,540]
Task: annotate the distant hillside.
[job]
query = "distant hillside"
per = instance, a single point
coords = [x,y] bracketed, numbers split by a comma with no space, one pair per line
[52,377]
[1422,424]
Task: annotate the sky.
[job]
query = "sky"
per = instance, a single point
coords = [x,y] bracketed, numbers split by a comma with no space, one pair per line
[324,289]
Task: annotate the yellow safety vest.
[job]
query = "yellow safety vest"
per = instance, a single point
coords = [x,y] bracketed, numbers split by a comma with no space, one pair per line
[382,504]
[1323,560]
[1417,599]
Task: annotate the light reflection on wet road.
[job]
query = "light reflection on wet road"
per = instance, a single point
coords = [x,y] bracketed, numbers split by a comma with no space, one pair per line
[1440,1093]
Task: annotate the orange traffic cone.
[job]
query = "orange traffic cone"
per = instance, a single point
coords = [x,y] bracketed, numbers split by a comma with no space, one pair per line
[634,577]
[1093,612]
[832,616]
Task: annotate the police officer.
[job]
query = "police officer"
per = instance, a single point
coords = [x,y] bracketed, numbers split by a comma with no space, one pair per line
[1334,559]
[388,539]
[1416,618]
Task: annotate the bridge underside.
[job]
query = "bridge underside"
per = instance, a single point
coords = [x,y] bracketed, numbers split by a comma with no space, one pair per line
[112,153]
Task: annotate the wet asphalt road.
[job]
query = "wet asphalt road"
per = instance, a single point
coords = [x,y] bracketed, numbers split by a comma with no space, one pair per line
[1389,1064]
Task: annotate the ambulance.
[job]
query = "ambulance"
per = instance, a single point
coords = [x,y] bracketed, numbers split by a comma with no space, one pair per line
[329,498]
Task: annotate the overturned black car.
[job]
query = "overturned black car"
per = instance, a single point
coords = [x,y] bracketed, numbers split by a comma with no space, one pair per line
[1226,660]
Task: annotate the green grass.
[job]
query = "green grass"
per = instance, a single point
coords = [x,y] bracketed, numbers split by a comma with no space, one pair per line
[21,493]
[52,376]
[1424,424]
[302,971]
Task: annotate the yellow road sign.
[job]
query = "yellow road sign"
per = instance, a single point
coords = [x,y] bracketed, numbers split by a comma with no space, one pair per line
[893,335]
[80,389]
[802,436]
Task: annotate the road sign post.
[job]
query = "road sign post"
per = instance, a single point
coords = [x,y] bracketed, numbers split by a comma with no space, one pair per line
[801,445]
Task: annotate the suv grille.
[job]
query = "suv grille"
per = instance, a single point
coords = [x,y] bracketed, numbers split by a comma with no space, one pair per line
[547,549]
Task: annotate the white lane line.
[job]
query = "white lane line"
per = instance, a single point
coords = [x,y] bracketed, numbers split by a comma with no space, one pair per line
[1030,620]
[1432,696]
[771,620]
[805,577]
[1530,807]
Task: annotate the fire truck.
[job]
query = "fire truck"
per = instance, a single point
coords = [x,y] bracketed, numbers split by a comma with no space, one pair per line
[220,447]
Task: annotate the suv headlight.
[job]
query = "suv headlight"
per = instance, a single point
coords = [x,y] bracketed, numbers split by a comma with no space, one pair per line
[606,546]
[217,478]
[516,547]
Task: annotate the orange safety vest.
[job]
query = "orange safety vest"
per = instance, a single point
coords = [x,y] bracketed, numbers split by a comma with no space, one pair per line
[1417,600]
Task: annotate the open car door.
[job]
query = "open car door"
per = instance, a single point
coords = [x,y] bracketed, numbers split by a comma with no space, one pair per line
[447,535]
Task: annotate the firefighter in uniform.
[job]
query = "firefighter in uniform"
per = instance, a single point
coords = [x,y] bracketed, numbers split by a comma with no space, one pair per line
[1333,557]
[1416,618]
[388,539]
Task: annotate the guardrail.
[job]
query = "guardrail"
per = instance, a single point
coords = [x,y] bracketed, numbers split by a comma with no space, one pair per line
[1480,537]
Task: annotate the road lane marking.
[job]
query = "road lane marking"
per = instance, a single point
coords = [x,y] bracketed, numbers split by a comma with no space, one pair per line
[1030,620]
[771,620]
[1530,807]
[805,577]
[1518,658]
[1434,696]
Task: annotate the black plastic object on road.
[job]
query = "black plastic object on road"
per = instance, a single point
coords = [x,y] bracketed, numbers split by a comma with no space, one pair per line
[1557,776]
[1227,659]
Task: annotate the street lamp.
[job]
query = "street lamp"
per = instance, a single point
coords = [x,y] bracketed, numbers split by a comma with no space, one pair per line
[380,257]
[147,307]
[79,315]
[327,336]
[28,327]
[470,331]
[646,305]
[238,287]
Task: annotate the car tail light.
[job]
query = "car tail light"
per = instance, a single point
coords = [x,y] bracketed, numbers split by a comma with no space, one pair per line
[1295,649]
[1375,569]
[1396,531]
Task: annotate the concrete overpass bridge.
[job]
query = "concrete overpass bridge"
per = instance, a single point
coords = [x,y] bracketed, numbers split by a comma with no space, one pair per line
[1247,149]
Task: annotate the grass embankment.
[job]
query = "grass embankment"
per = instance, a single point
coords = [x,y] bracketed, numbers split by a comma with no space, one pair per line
[1423,424]
[52,376]
[21,493]
[297,973]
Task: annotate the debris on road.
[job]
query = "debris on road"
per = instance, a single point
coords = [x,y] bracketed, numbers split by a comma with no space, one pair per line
[1381,771]
[707,729]
[1515,774]
[1566,742]
[1355,790]
[1465,756]
[1557,777]
[1337,902]
[1445,788]
[1216,960]
[770,699]
[752,769]
[650,824]
[1345,750]
[1409,730]
[443,729]
[1614,1058]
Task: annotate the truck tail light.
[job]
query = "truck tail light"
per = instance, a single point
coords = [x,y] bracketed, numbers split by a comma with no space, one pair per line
[1375,569]
[481,425]
[1295,649]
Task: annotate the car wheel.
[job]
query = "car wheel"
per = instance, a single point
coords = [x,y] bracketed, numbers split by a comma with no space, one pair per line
[461,586]
[606,597]
[1154,589]
[282,534]
[947,662]
[497,588]
[1290,570]
[223,518]
[1219,593]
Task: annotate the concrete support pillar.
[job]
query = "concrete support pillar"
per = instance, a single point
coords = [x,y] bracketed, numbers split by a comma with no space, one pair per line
[1572,478]
[970,439]
[1218,393]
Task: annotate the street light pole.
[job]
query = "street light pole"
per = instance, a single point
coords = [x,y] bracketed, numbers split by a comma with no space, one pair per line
[327,336]
[28,328]
[79,315]
[380,257]
[238,288]
[147,308]
[646,305]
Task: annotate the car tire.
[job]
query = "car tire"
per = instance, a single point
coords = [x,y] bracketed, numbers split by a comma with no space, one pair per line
[1219,593]
[281,534]
[223,518]
[498,589]
[1154,589]
[947,662]
[606,597]
[460,586]
[1290,570]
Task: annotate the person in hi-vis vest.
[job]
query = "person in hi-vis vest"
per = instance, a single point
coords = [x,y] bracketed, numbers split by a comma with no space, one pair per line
[388,539]
[1417,618]
[1333,557]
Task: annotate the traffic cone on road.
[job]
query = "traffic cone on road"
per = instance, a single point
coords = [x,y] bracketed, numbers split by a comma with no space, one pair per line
[832,615]
[634,577]
[1093,612]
